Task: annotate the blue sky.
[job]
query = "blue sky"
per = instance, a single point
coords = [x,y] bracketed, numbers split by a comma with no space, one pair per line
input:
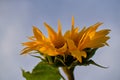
[18,16]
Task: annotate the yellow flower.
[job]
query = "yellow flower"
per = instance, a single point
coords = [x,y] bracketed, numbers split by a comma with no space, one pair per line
[86,38]
[73,42]
[52,46]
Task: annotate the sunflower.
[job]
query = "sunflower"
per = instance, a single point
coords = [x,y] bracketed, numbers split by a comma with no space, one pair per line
[86,38]
[73,42]
[52,46]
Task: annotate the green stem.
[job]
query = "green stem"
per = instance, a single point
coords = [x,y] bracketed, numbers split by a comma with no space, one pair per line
[49,59]
[68,72]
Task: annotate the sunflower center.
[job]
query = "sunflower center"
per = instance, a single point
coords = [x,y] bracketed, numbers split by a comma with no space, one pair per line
[58,43]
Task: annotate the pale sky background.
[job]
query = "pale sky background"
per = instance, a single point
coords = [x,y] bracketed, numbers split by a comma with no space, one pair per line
[18,16]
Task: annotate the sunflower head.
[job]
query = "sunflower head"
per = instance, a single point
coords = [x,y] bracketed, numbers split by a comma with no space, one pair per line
[76,45]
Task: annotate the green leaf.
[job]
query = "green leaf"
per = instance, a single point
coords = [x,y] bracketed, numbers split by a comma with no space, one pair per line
[43,71]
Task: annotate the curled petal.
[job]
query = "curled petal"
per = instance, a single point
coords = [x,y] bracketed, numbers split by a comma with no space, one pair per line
[62,49]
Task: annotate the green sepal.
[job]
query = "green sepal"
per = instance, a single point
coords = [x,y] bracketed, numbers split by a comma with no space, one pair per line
[43,71]
[88,62]
[94,63]
[91,53]
[38,57]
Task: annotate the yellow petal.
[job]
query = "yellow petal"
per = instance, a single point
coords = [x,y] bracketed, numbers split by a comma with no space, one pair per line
[74,51]
[92,30]
[71,45]
[51,51]
[93,27]
[67,34]
[32,38]
[37,33]
[78,55]
[98,42]
[72,27]
[29,44]
[73,22]
[84,39]
[52,34]
[59,28]
[80,34]
[102,33]
[76,30]
[27,50]
[88,35]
